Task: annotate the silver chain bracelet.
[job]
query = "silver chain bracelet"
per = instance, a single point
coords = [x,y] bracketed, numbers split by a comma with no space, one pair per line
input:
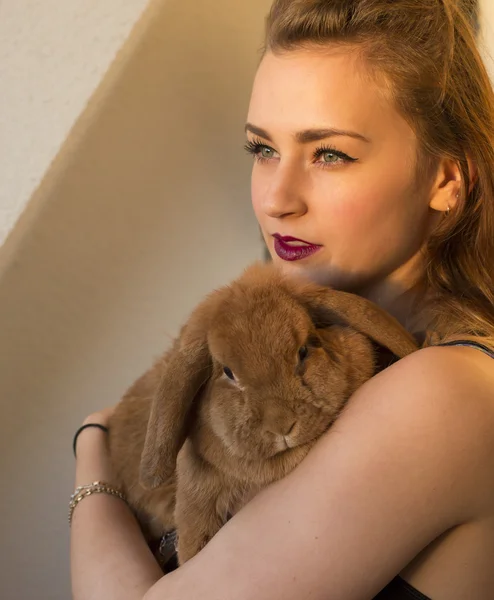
[97,487]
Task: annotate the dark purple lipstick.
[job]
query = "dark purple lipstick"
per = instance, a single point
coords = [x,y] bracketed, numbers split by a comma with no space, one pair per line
[291,249]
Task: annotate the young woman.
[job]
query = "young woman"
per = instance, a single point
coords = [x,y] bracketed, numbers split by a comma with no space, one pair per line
[372,128]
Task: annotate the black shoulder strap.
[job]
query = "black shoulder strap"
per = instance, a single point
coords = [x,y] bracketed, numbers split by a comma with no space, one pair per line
[471,344]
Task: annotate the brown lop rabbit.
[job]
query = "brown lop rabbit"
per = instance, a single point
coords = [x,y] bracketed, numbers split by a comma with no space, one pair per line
[258,373]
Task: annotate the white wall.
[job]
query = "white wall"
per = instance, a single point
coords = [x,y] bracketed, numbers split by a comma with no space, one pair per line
[53,55]
[486,40]
[145,209]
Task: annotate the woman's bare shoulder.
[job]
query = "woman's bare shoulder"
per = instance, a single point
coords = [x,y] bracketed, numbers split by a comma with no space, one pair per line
[454,375]
[443,394]
[446,384]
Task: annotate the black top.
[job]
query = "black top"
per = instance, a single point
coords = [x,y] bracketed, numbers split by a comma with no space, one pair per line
[399,589]
[477,345]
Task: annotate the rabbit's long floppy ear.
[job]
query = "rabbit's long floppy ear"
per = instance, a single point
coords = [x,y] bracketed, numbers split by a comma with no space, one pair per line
[326,305]
[187,367]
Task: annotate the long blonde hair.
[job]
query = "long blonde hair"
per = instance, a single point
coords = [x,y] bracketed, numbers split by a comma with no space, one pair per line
[427,51]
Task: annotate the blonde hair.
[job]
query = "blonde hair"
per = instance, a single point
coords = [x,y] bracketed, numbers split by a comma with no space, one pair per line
[427,51]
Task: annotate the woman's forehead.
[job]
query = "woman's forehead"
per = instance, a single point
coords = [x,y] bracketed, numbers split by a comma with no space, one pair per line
[306,89]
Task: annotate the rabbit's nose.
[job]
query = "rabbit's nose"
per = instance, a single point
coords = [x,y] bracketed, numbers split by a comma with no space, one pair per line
[279,423]
[290,429]
[282,431]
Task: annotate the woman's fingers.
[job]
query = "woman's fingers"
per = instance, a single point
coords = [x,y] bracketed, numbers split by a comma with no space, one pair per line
[102,417]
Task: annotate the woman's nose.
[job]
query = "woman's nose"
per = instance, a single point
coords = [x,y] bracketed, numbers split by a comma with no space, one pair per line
[284,197]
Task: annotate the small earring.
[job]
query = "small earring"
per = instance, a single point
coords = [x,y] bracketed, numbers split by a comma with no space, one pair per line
[448,210]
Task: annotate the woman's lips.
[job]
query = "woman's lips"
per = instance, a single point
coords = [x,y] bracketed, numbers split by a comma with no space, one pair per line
[291,249]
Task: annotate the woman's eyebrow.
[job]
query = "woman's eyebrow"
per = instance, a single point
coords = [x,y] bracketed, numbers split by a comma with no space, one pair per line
[309,135]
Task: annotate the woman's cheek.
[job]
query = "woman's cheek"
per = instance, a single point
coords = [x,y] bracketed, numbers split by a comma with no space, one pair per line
[346,214]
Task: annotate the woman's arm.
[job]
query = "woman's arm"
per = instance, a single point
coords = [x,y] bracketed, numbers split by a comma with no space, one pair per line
[409,459]
[406,461]
[109,556]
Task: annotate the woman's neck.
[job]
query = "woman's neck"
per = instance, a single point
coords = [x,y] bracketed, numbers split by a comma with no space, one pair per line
[402,296]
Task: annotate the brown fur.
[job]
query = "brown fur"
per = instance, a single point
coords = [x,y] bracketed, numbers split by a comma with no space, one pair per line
[191,447]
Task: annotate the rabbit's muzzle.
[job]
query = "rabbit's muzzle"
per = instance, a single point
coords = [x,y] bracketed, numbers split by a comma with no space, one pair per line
[270,430]
[281,426]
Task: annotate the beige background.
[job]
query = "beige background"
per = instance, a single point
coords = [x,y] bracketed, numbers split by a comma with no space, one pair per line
[487,33]
[144,210]
[124,197]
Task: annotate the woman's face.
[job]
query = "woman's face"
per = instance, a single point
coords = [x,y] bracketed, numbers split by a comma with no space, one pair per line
[334,168]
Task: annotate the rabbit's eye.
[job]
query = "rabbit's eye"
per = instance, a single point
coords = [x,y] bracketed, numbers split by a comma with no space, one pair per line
[302,353]
[228,373]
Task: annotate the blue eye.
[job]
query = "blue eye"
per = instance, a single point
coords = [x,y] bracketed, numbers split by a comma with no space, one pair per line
[228,373]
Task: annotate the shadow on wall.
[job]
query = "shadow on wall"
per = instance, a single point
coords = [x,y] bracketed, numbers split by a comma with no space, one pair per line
[146,209]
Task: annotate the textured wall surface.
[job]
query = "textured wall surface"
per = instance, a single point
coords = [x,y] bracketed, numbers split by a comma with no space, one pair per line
[145,209]
[487,34]
[53,55]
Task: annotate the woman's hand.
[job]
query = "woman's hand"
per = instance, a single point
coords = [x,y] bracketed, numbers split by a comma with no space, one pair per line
[93,457]
[102,417]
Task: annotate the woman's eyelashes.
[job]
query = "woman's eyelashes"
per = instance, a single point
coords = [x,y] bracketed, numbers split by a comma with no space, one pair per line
[260,151]
[330,156]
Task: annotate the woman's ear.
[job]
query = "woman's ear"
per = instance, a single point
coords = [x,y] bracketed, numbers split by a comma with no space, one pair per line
[447,187]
